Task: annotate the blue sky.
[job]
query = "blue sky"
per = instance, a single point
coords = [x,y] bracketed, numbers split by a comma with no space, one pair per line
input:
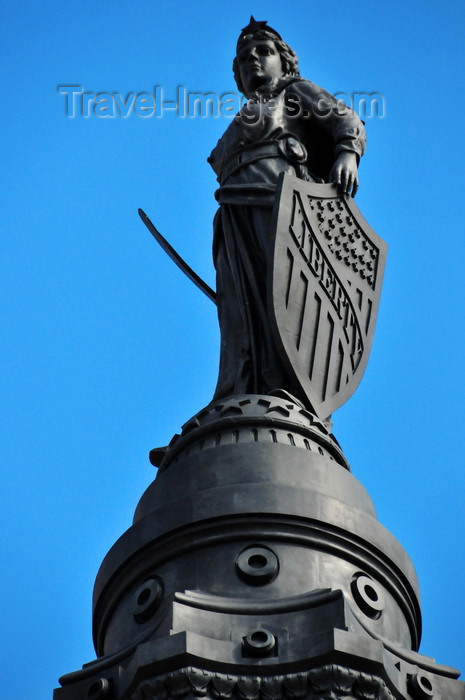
[107,349]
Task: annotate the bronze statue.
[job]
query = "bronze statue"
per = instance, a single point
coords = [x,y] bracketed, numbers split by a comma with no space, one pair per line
[255,567]
[289,125]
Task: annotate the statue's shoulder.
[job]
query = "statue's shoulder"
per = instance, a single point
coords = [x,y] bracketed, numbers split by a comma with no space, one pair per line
[305,88]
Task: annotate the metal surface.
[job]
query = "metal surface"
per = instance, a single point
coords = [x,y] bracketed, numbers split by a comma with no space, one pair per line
[256,568]
[328,267]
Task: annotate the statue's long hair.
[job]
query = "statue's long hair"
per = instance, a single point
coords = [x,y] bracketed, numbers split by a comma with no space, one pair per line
[289,60]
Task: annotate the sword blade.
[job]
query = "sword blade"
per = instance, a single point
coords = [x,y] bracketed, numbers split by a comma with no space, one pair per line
[176,258]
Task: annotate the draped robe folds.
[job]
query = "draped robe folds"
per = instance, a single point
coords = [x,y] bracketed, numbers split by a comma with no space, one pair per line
[264,140]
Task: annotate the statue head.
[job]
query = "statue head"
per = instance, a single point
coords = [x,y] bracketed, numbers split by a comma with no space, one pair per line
[259,33]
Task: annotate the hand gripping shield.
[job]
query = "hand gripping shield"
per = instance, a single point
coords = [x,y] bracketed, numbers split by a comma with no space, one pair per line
[325,288]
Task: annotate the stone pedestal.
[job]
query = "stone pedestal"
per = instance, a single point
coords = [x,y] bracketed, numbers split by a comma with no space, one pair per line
[256,569]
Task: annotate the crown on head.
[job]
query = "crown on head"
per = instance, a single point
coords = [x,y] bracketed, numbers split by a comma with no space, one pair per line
[253,27]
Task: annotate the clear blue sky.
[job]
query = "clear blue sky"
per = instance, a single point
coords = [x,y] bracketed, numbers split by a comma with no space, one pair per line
[107,349]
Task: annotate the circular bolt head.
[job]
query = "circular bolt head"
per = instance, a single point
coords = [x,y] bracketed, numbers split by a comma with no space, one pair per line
[259,642]
[147,599]
[257,565]
[368,595]
[98,689]
[421,686]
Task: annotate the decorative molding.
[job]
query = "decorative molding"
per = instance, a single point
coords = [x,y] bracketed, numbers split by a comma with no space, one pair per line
[263,606]
[251,419]
[329,682]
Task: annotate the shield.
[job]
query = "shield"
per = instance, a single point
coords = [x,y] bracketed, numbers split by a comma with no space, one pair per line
[324,291]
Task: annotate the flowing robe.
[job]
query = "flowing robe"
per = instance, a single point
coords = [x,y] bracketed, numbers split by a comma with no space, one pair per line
[300,129]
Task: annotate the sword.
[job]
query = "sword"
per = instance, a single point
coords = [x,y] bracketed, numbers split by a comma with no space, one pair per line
[176,258]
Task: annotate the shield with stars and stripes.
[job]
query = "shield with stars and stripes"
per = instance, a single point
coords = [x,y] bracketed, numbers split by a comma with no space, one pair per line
[324,291]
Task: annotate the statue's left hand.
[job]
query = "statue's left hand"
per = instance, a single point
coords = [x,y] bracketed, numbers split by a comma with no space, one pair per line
[345,172]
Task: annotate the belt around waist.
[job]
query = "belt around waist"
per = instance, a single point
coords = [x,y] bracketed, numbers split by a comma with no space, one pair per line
[251,155]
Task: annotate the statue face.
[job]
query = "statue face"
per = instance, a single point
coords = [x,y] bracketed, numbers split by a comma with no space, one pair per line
[259,64]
